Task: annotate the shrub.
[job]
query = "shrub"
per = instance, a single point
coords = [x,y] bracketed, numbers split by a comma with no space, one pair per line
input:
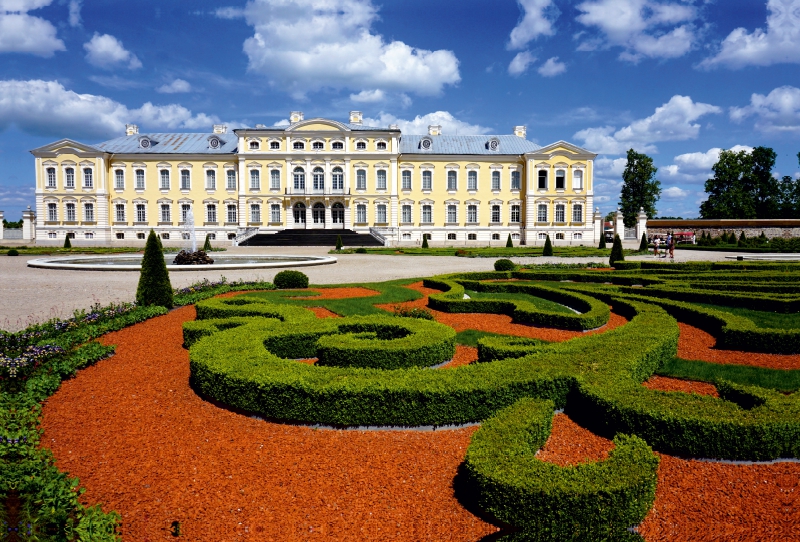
[415,312]
[643,246]
[13,252]
[742,239]
[154,287]
[424,241]
[289,280]
[67,244]
[509,242]
[360,250]
[602,240]
[207,244]
[616,252]
[548,247]
[504,264]
[338,243]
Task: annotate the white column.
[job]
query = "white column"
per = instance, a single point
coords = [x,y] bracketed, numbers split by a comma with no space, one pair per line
[244,216]
[619,225]
[1,224]
[597,221]
[328,179]
[641,224]
[309,182]
[28,225]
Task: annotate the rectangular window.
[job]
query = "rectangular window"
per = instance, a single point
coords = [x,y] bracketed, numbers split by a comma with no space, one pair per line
[88,212]
[406,215]
[472,214]
[164,179]
[119,179]
[560,179]
[139,179]
[472,180]
[255,179]
[299,179]
[577,179]
[185,208]
[427,214]
[211,213]
[275,213]
[141,215]
[52,212]
[255,213]
[427,180]
[361,179]
[69,178]
[381,179]
[541,213]
[337,179]
[560,213]
[577,213]
[165,214]
[186,180]
[542,180]
[452,180]
[51,177]
[495,180]
[88,180]
[231,214]
[275,179]
[515,213]
[381,218]
[406,180]
[452,215]
[231,174]
[119,212]
[361,214]
[211,179]
[515,180]
[70,212]
[496,214]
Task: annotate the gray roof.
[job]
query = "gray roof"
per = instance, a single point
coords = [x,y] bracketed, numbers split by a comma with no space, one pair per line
[467,144]
[193,143]
[354,127]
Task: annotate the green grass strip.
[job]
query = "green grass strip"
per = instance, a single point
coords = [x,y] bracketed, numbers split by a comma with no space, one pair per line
[775,379]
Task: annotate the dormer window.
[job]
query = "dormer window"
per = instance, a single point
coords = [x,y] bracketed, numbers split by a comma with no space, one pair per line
[337,146]
[426,143]
[145,143]
[318,145]
[299,146]
[381,145]
[274,145]
[493,144]
[254,145]
[361,146]
[214,143]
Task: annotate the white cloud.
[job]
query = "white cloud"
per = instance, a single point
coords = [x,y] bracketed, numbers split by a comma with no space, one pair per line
[307,45]
[47,108]
[537,20]
[779,44]
[23,33]
[674,192]
[177,86]
[368,96]
[777,112]
[609,167]
[642,28]
[673,121]
[75,13]
[520,63]
[419,125]
[106,51]
[695,167]
[552,67]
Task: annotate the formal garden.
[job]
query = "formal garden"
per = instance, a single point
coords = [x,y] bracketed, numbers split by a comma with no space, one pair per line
[648,401]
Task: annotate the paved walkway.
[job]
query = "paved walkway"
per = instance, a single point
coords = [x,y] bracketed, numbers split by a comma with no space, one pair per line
[29,295]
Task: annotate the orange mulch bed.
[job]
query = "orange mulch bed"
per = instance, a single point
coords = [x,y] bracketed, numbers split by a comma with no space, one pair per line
[694,343]
[337,293]
[145,445]
[464,356]
[322,312]
[570,444]
[665,383]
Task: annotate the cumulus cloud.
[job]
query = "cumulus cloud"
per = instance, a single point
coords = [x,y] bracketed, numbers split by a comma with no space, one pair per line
[369,96]
[74,13]
[552,67]
[779,44]
[106,51]
[23,33]
[674,192]
[46,108]
[537,20]
[609,167]
[673,121]
[519,64]
[696,167]
[307,45]
[419,125]
[642,28]
[777,112]
[177,86]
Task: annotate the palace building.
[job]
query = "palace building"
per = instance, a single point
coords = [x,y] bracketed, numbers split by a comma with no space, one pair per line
[317,174]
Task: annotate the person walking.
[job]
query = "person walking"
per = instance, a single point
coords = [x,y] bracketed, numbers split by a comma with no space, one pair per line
[656,242]
[670,246]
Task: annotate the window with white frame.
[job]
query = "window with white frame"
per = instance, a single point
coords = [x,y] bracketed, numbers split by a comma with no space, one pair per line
[381,179]
[452,214]
[119,179]
[298,146]
[211,179]
[186,180]
[52,235]
[406,237]
[255,179]
[51,177]
[542,179]
[577,213]
[254,145]
[560,236]
[318,178]
[337,179]
[275,213]
[140,235]
[185,208]
[427,180]
[69,212]
[88,235]
[211,212]
[88,212]
[560,207]
[69,178]
[231,174]
[165,236]
[496,214]
[361,179]
[577,236]
[452,180]
[472,180]
[495,180]
[577,179]
[231,218]
[255,213]
[274,145]
[212,236]
[515,180]
[515,213]
[472,214]
[381,146]
[139,179]
[318,145]
[119,212]
[451,236]
[381,214]
[495,237]
[561,177]
[427,214]
[427,236]
[541,212]
[337,145]
[405,215]
[542,237]
[52,212]
[361,213]
[88,180]
[299,175]
[406,180]
[166,216]
[275,179]
[120,235]
[472,237]
[361,145]
[515,236]
[141,212]
[164,174]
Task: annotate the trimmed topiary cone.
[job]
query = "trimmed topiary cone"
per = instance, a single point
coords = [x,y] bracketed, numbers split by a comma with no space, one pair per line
[509,242]
[424,241]
[67,244]
[338,242]
[616,252]
[643,246]
[602,241]
[548,247]
[154,286]
[207,244]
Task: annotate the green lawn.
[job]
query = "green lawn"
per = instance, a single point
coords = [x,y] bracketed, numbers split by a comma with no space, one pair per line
[486,252]
[762,319]
[542,304]
[786,381]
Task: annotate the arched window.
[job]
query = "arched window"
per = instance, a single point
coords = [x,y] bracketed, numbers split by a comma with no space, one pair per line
[299,178]
[361,146]
[139,179]
[275,179]
[186,180]
[52,213]
[472,180]
[515,183]
[254,145]
[495,180]
[299,212]
[164,179]
[577,179]
[69,178]
[51,177]
[472,214]
[211,179]
[255,179]
[381,179]
[318,213]
[274,145]
[88,181]
[361,179]
[452,180]
[561,177]
[406,175]
[319,179]
[452,214]
[337,145]
[299,146]
[337,213]
[119,179]
[337,179]
[211,213]
[427,180]
[427,214]
[381,146]
[542,179]
[318,145]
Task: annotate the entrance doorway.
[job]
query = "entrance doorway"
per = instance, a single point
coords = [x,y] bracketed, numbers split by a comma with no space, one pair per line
[318,215]
[299,215]
[337,215]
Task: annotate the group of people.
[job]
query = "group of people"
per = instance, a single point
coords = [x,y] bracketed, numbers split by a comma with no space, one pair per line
[669,248]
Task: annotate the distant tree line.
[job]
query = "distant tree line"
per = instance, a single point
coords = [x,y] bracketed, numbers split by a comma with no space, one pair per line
[7,224]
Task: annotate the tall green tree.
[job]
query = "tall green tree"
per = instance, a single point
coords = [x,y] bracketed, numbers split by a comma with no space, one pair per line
[154,286]
[766,188]
[730,193]
[790,198]
[640,188]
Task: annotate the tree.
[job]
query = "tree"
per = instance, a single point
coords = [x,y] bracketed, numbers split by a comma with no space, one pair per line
[766,188]
[154,287]
[617,255]
[424,240]
[548,247]
[207,244]
[640,188]
[338,243]
[509,243]
[602,240]
[644,245]
[67,243]
[790,201]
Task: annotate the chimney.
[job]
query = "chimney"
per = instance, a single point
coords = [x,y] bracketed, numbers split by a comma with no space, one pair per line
[220,129]
[131,129]
[295,116]
[394,127]
[356,117]
[520,131]
[435,129]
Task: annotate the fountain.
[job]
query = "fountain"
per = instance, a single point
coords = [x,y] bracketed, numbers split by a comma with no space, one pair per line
[193,257]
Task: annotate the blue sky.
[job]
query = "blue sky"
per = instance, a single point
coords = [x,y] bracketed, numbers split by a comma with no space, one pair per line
[676,79]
